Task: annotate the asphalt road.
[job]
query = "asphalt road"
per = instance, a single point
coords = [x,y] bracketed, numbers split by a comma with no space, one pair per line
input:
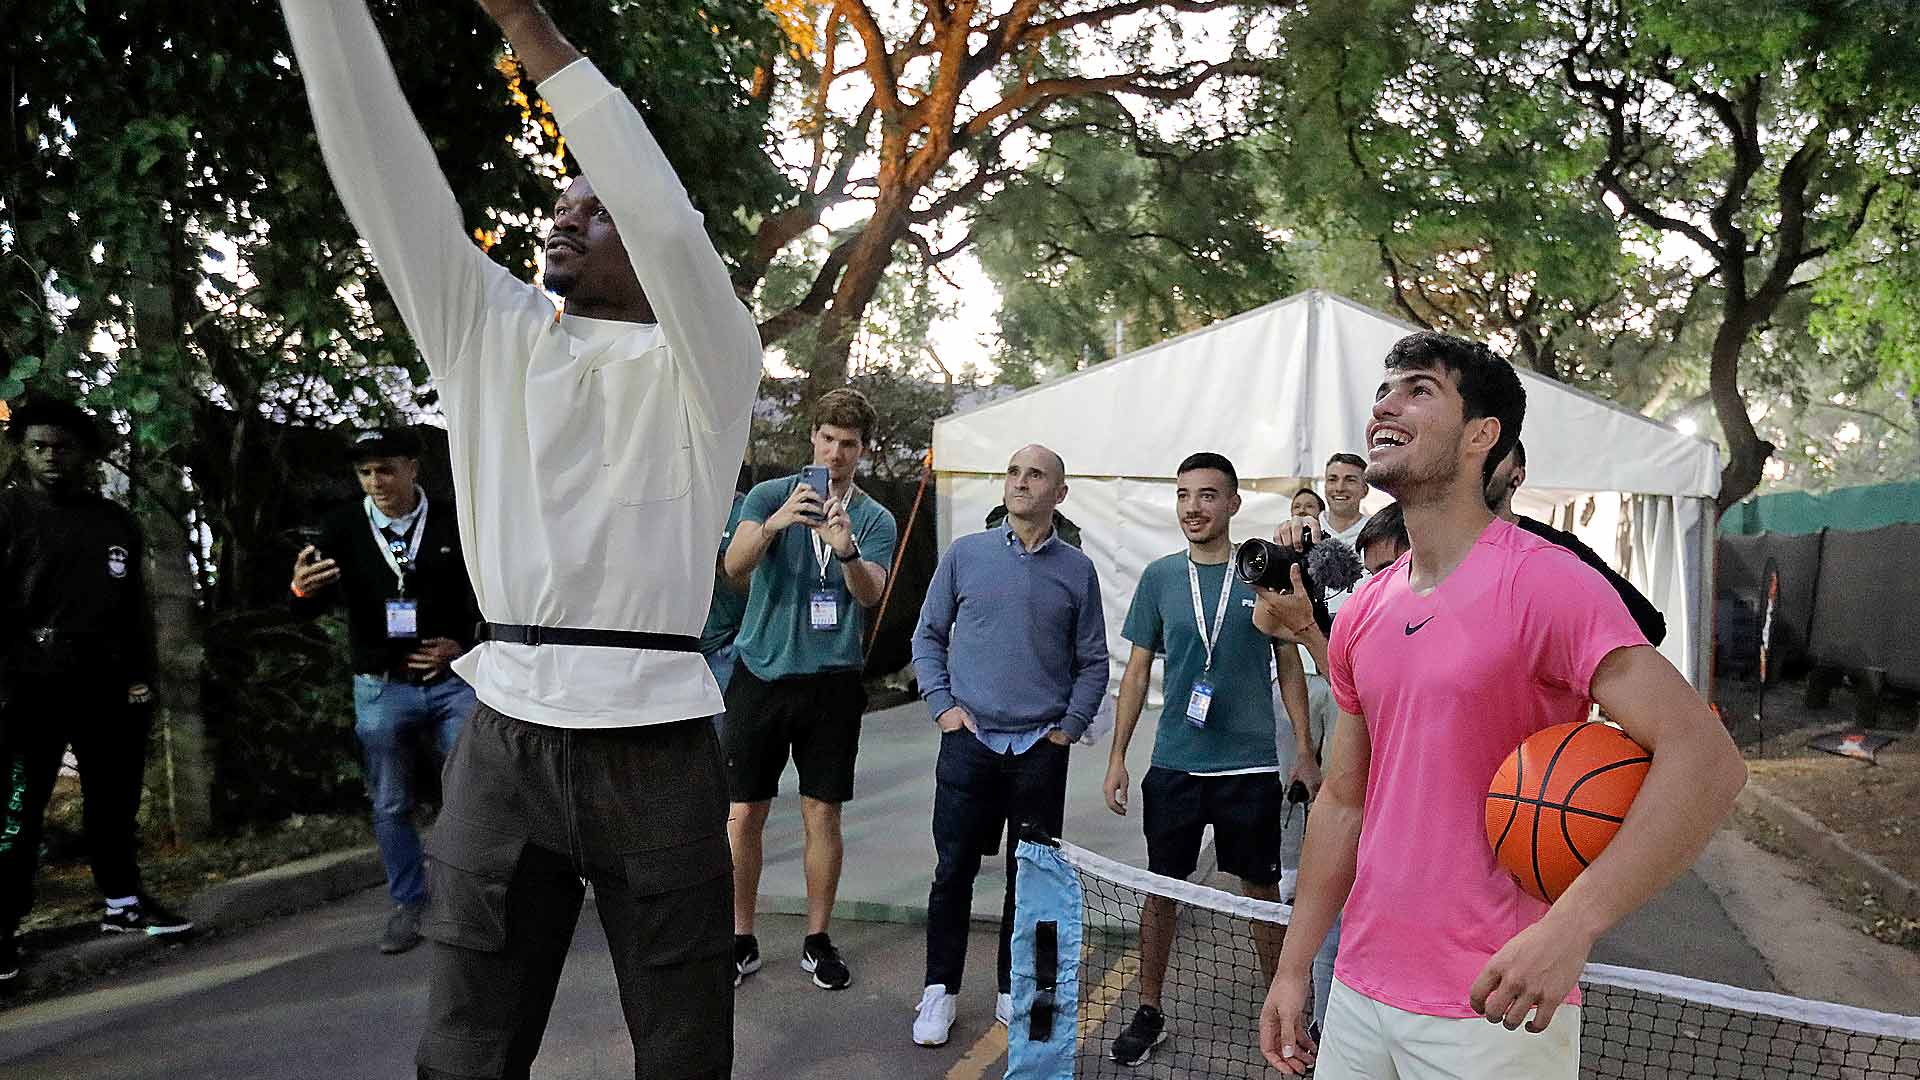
[310,997]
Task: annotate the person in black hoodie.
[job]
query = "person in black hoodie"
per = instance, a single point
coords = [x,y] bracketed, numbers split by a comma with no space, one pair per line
[76,668]
[1506,479]
[394,559]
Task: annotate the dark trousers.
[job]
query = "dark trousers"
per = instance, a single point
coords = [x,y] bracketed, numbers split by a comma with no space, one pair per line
[43,716]
[530,811]
[978,795]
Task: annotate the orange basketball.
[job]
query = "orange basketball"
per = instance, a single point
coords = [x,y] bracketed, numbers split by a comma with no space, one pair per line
[1557,801]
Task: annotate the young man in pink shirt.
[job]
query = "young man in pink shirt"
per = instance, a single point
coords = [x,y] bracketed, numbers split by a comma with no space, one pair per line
[1480,636]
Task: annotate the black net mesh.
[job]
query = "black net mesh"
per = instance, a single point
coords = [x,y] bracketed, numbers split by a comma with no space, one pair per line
[1215,983]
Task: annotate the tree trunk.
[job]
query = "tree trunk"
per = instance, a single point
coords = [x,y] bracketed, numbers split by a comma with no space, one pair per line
[186,757]
[866,266]
[1747,452]
[160,501]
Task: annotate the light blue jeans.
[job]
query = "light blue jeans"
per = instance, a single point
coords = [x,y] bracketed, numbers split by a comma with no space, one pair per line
[391,719]
[1323,970]
[721,661]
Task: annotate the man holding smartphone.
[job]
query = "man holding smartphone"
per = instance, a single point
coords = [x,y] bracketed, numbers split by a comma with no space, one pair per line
[410,614]
[812,551]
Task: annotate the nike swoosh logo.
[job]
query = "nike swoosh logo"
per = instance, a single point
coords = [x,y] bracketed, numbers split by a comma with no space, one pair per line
[1411,627]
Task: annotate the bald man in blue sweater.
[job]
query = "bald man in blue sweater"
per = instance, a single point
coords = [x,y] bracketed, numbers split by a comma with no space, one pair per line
[1011,654]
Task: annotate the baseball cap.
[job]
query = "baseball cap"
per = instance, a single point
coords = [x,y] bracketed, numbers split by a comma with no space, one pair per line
[385,442]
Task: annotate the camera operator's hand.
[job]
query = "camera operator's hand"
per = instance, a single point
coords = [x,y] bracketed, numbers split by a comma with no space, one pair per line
[311,572]
[1297,533]
[1306,770]
[803,507]
[1286,616]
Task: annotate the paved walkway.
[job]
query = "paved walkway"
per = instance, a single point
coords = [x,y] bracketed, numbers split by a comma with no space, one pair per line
[308,996]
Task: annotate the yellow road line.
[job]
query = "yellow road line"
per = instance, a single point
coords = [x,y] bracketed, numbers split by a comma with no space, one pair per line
[992,1046]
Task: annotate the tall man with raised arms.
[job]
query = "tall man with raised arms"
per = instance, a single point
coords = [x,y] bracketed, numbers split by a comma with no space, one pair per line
[1479,636]
[592,453]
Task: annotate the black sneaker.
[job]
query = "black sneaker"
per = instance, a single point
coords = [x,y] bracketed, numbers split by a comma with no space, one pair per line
[1147,1030]
[9,961]
[746,956]
[818,956]
[145,917]
[403,930]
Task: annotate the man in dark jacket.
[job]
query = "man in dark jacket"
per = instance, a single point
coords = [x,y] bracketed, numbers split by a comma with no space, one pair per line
[1507,478]
[76,667]
[397,566]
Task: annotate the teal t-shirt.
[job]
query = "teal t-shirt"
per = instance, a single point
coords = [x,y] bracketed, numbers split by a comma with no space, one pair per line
[724,613]
[1240,725]
[777,638]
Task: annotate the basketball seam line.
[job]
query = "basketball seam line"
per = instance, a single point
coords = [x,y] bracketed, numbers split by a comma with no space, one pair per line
[1571,791]
[1562,807]
[1546,777]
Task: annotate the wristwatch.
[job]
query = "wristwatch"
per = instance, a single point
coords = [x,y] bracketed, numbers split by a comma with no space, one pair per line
[855,554]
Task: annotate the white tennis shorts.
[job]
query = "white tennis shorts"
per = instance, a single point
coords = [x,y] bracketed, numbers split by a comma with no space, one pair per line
[1366,1040]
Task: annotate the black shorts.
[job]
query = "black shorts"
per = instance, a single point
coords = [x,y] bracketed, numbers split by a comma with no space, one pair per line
[817,716]
[1245,813]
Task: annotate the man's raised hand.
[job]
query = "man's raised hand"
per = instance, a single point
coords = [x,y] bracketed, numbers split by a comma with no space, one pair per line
[311,572]
[803,507]
[541,47]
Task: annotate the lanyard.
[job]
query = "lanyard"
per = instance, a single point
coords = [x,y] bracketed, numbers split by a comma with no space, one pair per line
[410,543]
[1200,614]
[823,551]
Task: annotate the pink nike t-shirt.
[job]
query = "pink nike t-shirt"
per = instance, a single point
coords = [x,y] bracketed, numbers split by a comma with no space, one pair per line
[1449,683]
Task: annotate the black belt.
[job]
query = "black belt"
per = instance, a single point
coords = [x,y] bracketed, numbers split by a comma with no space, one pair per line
[521,634]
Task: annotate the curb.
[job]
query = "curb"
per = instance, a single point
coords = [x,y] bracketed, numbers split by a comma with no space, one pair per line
[280,890]
[1823,845]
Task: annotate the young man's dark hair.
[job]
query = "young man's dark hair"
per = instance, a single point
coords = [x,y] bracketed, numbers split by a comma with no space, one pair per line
[846,408]
[1206,459]
[1388,523]
[64,415]
[1488,385]
[1519,453]
[1354,460]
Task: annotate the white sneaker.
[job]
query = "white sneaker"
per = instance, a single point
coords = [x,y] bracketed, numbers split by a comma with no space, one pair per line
[1003,1008]
[935,1021]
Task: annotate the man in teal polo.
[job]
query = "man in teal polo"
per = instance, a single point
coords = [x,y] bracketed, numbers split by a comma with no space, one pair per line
[816,562]
[1214,761]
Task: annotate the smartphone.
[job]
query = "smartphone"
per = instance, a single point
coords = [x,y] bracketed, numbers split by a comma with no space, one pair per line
[817,478]
[310,536]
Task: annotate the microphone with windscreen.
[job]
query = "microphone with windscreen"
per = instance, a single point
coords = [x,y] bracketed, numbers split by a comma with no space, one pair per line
[1325,565]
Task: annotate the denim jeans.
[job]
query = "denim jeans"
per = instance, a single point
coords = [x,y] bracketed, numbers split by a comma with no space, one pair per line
[978,794]
[721,661]
[391,719]
[1323,970]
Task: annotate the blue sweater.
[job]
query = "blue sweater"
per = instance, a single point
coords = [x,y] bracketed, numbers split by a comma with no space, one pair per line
[1014,637]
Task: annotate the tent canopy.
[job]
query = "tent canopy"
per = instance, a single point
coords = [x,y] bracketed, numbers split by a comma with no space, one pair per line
[1287,386]
[1279,390]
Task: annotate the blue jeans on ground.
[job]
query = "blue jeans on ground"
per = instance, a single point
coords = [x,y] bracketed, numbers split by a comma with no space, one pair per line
[391,718]
[1323,970]
[720,661]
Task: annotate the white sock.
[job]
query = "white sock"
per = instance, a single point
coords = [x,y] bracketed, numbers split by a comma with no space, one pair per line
[121,903]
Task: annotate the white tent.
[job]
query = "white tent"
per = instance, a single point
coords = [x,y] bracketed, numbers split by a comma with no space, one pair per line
[1280,389]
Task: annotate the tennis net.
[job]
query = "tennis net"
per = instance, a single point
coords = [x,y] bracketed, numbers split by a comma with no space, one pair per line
[1634,1024]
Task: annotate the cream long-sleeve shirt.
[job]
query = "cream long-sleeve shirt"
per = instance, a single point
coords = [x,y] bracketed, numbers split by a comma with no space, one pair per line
[594,460]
